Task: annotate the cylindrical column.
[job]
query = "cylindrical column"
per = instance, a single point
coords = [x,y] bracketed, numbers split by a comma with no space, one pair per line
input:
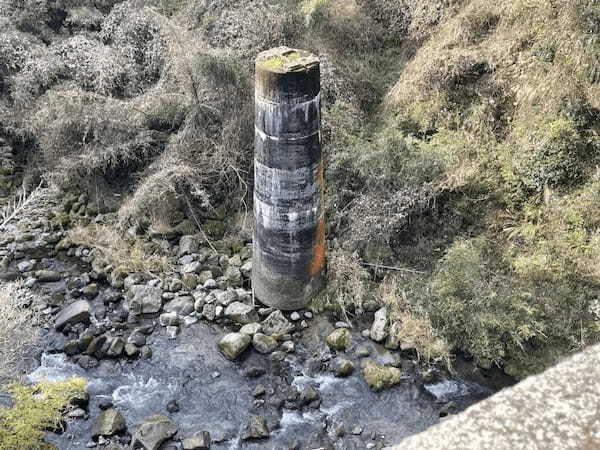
[289,237]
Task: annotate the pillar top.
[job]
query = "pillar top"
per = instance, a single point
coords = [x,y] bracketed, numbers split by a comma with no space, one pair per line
[286,60]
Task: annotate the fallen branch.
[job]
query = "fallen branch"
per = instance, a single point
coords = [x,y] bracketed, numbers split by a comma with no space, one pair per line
[18,204]
[399,269]
[199,226]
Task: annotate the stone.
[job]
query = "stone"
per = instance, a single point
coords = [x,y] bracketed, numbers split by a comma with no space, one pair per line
[90,291]
[76,312]
[180,305]
[169,319]
[241,313]
[343,367]
[256,428]
[198,441]
[204,276]
[339,339]
[295,316]
[288,347]
[137,338]
[172,406]
[379,327]
[276,323]
[189,244]
[209,311]
[233,345]
[145,299]
[193,267]
[308,315]
[233,275]
[381,377]
[115,345]
[394,338]
[263,344]
[153,431]
[227,297]
[251,329]
[363,351]
[47,276]
[246,269]
[87,362]
[146,352]
[131,350]
[27,265]
[108,423]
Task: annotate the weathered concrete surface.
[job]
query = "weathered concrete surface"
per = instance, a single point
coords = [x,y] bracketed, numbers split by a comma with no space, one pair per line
[558,409]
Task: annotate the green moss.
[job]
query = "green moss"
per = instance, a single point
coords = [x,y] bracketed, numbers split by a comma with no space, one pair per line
[36,409]
[276,62]
[381,377]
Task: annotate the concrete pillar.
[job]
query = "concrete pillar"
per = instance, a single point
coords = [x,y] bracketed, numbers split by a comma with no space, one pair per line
[289,238]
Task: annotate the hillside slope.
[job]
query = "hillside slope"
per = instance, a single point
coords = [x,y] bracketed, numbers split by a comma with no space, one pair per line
[461,142]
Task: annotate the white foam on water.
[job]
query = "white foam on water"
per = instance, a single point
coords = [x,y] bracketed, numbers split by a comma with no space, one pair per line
[54,367]
[142,392]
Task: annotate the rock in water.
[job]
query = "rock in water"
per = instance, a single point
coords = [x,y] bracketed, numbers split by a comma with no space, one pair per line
[233,344]
[76,312]
[276,323]
[153,431]
[47,276]
[380,377]
[145,300]
[379,327]
[263,343]
[343,367]
[108,423]
[340,339]
[199,441]
[241,313]
[256,428]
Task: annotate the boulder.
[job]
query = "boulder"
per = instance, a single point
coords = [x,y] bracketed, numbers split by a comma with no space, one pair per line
[76,312]
[241,313]
[256,428]
[343,367]
[276,323]
[380,377]
[145,299]
[153,431]
[379,327]
[108,423]
[263,343]
[198,441]
[189,244]
[180,305]
[251,328]
[339,339]
[233,345]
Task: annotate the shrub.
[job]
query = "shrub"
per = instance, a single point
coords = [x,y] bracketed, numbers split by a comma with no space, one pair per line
[551,155]
[134,31]
[474,307]
[37,409]
[18,329]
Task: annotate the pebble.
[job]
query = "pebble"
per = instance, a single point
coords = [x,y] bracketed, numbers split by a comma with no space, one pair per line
[295,316]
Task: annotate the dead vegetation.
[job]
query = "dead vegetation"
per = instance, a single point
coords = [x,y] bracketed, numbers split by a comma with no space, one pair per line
[124,254]
[19,329]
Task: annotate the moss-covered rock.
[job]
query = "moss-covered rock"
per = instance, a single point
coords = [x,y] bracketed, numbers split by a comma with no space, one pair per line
[36,409]
[380,377]
[339,339]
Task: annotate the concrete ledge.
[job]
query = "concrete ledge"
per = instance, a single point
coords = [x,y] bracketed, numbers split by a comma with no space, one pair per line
[558,409]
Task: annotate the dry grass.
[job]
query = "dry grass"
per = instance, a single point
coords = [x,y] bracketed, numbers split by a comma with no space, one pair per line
[18,330]
[347,284]
[121,252]
[416,328]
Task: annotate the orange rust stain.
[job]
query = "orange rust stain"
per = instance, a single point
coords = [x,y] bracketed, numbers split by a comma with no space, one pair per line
[317,261]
